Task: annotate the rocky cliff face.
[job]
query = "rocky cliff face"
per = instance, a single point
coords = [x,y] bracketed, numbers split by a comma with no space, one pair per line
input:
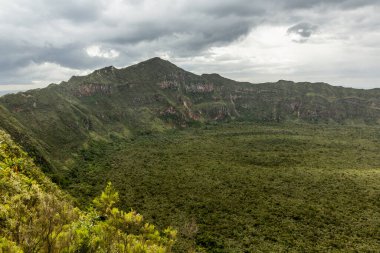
[91,89]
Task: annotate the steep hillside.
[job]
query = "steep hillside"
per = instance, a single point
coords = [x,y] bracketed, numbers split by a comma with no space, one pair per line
[156,95]
[36,216]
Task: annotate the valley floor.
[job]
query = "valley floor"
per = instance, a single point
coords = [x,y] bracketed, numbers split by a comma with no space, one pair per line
[243,187]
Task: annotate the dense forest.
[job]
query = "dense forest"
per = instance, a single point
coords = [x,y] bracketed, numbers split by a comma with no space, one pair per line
[243,187]
[36,216]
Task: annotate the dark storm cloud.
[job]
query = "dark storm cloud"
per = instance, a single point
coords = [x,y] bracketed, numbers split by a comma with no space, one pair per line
[60,31]
[303,31]
[71,55]
[13,56]
[77,11]
[200,33]
[187,31]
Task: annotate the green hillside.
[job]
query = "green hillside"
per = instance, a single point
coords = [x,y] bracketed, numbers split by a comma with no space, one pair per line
[36,216]
[232,166]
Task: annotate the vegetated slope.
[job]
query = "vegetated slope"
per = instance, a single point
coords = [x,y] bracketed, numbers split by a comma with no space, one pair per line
[243,187]
[36,216]
[155,95]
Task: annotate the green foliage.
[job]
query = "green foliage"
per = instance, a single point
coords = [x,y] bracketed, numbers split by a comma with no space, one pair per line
[35,216]
[247,187]
[106,200]
[9,246]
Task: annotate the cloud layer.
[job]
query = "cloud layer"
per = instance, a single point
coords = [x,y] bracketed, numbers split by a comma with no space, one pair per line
[336,41]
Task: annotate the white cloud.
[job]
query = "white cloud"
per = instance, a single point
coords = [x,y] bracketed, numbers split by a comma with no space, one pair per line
[98,51]
[49,72]
[268,53]
[41,75]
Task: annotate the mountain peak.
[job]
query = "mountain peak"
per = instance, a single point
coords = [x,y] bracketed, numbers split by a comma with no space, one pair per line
[157,61]
[154,66]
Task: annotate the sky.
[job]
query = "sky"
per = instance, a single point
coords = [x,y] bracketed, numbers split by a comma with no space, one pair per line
[332,41]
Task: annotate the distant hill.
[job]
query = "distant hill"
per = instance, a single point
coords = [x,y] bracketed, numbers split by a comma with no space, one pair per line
[156,95]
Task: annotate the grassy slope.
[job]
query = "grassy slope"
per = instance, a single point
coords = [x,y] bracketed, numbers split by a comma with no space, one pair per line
[248,187]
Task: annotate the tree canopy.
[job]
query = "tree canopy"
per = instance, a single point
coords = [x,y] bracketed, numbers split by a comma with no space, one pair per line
[36,216]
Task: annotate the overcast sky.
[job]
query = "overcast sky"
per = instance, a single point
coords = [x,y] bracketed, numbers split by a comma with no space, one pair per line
[334,41]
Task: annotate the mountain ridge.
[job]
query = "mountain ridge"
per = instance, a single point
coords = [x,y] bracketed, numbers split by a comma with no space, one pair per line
[155,96]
